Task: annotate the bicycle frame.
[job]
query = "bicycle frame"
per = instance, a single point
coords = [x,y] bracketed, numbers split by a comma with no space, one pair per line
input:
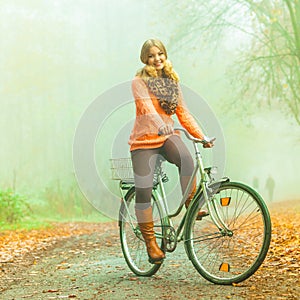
[203,188]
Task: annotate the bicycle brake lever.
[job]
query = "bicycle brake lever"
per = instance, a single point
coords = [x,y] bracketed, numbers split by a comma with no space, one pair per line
[209,140]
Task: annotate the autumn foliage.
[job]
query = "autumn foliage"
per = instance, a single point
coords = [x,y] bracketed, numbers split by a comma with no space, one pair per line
[281,265]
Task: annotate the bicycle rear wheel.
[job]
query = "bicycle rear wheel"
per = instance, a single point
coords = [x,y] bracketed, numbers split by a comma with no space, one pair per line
[229,257]
[132,242]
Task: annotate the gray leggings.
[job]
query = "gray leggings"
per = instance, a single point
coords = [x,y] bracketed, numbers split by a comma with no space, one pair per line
[144,160]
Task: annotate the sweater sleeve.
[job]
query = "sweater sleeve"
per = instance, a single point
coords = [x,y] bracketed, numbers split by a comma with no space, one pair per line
[186,119]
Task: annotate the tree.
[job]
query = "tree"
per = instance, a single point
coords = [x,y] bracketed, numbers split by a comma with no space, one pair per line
[268,69]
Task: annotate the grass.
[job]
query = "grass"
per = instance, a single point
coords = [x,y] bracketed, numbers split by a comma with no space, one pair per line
[56,203]
[39,222]
[26,225]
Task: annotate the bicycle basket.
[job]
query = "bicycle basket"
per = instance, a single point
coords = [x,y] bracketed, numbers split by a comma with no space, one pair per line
[121,169]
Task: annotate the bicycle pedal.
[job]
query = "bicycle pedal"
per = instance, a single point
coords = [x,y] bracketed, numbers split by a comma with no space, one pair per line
[155,262]
[199,218]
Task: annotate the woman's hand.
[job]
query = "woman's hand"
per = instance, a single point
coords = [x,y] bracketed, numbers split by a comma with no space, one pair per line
[165,130]
[208,145]
[209,142]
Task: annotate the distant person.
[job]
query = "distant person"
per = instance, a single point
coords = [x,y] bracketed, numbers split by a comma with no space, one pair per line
[158,99]
[270,185]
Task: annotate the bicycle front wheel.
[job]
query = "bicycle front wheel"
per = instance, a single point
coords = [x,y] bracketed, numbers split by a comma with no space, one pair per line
[229,256]
[132,242]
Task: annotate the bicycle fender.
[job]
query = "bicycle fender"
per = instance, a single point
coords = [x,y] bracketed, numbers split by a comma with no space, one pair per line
[211,186]
[123,200]
[217,183]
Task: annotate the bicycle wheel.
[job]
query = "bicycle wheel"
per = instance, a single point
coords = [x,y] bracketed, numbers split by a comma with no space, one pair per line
[229,257]
[132,242]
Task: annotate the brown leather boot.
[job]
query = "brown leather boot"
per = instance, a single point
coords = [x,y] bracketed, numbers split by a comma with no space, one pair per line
[201,213]
[144,218]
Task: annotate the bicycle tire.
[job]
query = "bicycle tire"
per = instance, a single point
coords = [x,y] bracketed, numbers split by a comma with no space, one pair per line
[132,242]
[224,259]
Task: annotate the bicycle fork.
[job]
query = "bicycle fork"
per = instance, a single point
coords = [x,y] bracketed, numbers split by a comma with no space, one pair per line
[208,197]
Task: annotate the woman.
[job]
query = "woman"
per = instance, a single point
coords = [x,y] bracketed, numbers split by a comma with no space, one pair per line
[157,97]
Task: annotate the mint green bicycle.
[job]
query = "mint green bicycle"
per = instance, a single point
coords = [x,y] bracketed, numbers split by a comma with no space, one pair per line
[225,247]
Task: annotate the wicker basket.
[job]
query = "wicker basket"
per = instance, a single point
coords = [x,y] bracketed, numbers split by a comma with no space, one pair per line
[121,169]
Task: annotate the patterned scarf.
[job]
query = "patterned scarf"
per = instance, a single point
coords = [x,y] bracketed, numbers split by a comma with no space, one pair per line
[166,91]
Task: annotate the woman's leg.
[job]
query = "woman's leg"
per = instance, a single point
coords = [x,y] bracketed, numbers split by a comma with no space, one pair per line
[143,162]
[176,152]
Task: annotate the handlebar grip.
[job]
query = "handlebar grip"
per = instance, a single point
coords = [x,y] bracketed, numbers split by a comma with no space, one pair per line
[210,140]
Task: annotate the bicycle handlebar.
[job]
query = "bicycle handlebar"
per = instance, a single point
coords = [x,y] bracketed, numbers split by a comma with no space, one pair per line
[195,140]
[191,138]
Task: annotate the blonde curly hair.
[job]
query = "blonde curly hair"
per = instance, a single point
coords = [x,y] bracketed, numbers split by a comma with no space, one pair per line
[150,71]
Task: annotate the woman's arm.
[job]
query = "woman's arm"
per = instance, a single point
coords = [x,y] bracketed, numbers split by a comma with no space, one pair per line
[186,119]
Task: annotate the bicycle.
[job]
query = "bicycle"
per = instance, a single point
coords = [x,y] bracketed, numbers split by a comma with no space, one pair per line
[227,246]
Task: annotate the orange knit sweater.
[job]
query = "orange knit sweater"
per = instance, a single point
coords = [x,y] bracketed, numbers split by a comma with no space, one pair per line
[150,117]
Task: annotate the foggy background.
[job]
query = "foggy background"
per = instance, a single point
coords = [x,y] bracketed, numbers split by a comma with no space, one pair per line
[56,57]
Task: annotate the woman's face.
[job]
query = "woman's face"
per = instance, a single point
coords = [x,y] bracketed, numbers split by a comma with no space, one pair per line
[156,58]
